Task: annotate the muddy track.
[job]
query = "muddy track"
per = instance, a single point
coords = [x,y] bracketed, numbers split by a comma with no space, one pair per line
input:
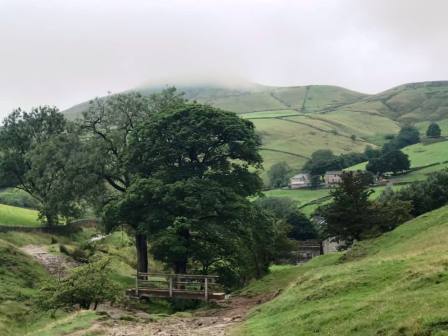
[212,322]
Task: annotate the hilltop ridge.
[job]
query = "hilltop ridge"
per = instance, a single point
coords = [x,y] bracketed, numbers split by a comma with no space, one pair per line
[297,120]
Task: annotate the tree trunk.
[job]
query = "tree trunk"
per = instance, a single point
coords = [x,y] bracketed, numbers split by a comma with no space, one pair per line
[142,252]
[180,267]
[50,220]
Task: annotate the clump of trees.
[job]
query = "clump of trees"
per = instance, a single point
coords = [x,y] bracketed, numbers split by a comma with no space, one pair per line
[394,161]
[433,130]
[176,174]
[324,160]
[390,159]
[352,215]
[424,196]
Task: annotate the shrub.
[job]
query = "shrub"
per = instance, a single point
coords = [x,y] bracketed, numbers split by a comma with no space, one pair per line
[86,287]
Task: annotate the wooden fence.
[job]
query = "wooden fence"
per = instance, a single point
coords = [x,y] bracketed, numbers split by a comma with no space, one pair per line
[185,286]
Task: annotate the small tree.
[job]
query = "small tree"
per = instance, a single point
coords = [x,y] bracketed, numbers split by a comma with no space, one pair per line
[87,286]
[408,135]
[279,174]
[350,213]
[433,131]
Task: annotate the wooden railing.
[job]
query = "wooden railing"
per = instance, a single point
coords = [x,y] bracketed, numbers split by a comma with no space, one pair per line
[189,286]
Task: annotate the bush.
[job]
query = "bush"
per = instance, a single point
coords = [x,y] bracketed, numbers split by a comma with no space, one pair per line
[86,287]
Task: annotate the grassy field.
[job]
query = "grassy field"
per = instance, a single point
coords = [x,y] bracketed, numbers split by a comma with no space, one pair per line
[421,155]
[396,284]
[16,216]
[309,200]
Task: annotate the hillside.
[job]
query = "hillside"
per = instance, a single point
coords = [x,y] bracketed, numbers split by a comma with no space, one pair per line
[424,158]
[295,121]
[396,284]
[15,216]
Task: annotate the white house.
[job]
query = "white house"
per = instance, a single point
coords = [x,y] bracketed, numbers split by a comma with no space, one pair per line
[301,180]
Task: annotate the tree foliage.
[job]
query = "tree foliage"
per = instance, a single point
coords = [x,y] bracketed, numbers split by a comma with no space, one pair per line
[433,130]
[324,160]
[42,154]
[109,124]
[349,215]
[285,209]
[279,175]
[86,287]
[353,216]
[393,161]
[424,196]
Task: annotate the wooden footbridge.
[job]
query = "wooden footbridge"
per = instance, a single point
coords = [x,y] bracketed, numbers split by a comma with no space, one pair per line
[185,286]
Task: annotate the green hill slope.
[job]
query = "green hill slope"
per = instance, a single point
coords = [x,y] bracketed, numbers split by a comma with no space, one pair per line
[434,155]
[396,284]
[20,278]
[15,216]
[295,121]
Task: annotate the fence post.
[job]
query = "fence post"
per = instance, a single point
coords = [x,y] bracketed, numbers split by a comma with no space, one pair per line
[136,285]
[171,285]
[206,289]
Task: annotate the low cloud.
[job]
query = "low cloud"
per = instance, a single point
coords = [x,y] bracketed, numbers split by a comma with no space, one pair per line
[64,52]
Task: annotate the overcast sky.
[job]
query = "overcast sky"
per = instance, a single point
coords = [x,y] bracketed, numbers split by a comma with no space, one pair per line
[62,52]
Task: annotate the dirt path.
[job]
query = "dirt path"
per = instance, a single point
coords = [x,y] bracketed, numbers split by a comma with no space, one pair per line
[57,265]
[213,322]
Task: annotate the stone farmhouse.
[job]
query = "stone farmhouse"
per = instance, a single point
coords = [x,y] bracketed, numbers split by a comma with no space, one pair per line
[302,180]
[332,178]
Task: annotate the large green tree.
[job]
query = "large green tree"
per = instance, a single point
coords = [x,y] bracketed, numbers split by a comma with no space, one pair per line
[109,123]
[207,161]
[392,161]
[41,154]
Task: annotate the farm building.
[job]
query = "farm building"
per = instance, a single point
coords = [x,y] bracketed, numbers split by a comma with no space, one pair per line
[332,177]
[301,180]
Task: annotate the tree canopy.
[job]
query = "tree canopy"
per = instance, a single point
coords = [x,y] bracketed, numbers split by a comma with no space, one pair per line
[393,161]
[41,153]
[279,175]
[433,130]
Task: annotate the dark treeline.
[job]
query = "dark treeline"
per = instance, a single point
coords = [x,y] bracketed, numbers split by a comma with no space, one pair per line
[175,173]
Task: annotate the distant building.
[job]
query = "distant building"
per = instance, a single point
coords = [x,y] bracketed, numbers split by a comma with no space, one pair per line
[332,178]
[308,249]
[302,180]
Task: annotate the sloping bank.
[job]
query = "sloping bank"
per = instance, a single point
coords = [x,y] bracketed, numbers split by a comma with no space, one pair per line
[396,284]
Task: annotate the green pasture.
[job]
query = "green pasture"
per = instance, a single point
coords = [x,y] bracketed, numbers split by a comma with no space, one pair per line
[396,284]
[15,216]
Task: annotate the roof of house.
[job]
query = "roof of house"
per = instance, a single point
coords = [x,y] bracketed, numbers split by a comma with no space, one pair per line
[333,172]
[300,175]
